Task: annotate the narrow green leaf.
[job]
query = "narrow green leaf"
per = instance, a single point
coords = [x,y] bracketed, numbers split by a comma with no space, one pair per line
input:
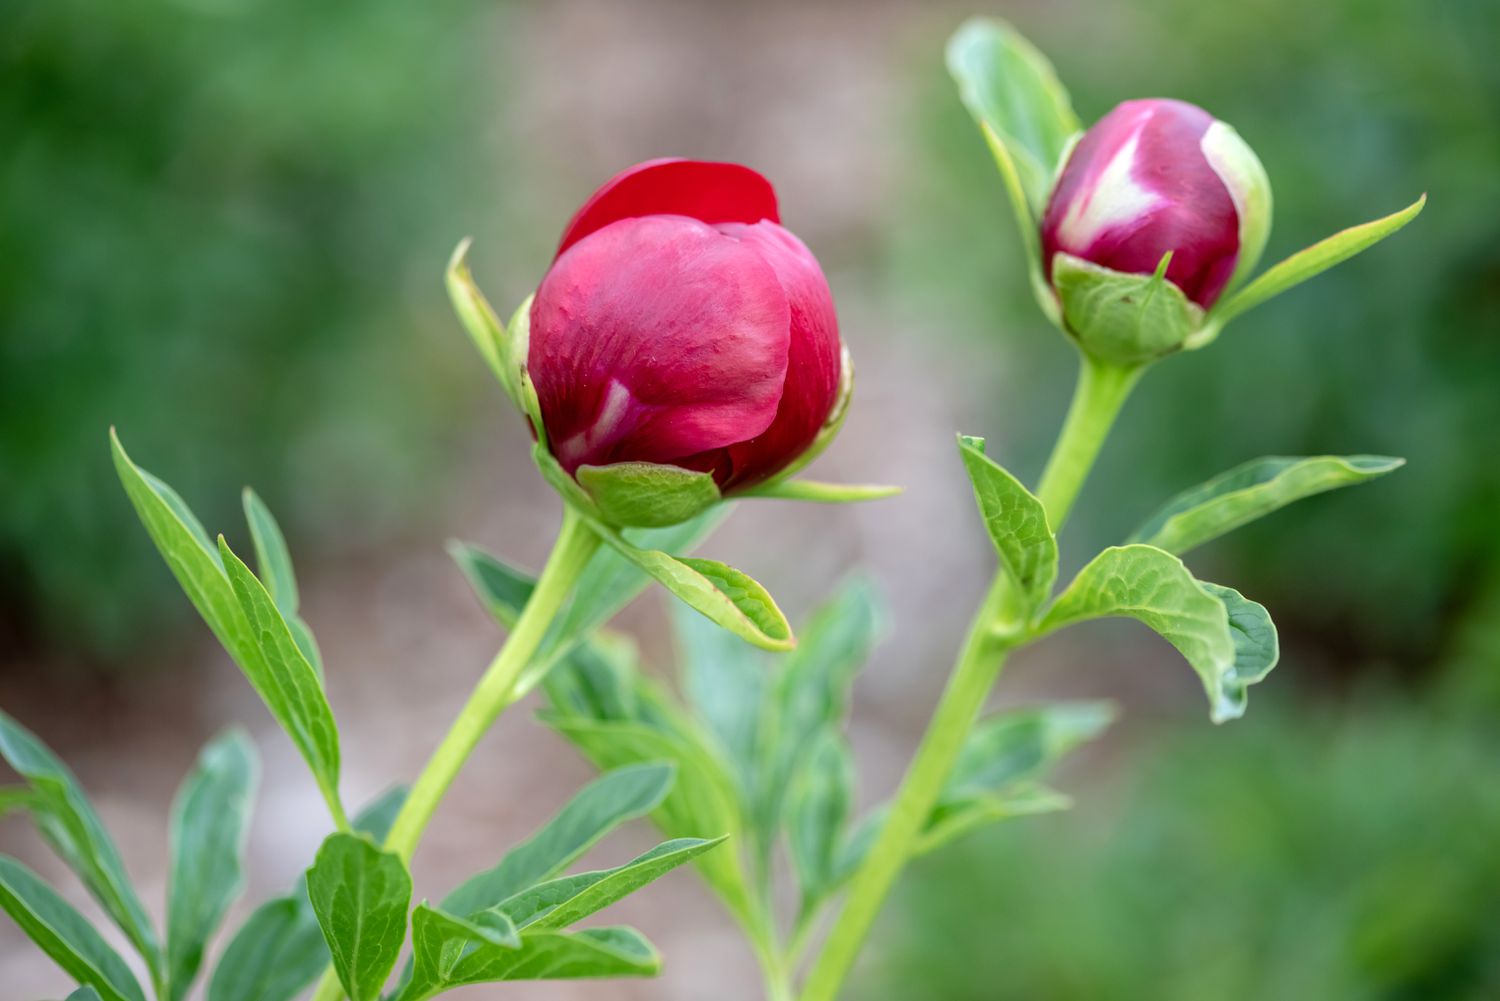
[1016,522]
[648,494]
[1311,261]
[726,682]
[289,686]
[271,556]
[68,823]
[210,821]
[1009,86]
[478,317]
[279,950]
[558,903]
[360,895]
[818,807]
[17,798]
[594,953]
[286,680]
[604,804]
[502,589]
[1153,587]
[63,934]
[815,492]
[84,994]
[441,941]
[1250,491]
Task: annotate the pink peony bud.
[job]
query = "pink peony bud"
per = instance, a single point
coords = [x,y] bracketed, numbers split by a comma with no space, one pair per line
[1158,176]
[680,324]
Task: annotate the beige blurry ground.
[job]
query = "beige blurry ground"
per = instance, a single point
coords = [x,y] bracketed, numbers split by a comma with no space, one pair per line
[814,95]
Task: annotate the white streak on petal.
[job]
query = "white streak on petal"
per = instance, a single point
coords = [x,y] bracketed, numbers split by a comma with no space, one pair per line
[1113,199]
[1249,188]
[607,427]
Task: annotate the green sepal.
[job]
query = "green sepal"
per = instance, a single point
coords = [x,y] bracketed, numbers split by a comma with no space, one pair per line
[1252,490]
[1301,266]
[1227,639]
[647,494]
[815,492]
[517,345]
[1027,120]
[1120,318]
[478,317]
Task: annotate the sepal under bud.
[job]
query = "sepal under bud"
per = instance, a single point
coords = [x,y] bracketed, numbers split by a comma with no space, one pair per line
[1124,319]
[648,495]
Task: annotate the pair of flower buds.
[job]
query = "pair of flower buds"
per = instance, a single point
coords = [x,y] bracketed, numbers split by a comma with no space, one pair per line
[681,326]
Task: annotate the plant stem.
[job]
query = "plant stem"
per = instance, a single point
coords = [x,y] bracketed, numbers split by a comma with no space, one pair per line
[978,664]
[1102,389]
[575,544]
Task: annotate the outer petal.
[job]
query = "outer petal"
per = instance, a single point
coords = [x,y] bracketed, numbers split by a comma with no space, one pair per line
[656,338]
[1138,185]
[710,192]
[813,369]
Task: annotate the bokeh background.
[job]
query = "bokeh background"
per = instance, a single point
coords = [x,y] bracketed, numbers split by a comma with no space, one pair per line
[222,229]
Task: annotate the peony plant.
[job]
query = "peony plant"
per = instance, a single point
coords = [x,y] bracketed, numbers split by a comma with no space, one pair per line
[682,351]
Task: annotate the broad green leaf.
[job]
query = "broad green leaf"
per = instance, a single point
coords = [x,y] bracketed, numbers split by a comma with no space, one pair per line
[1153,587]
[288,683]
[998,773]
[1016,523]
[731,599]
[815,492]
[601,806]
[210,821]
[1250,491]
[441,941]
[648,494]
[558,903]
[1256,646]
[818,807]
[726,683]
[360,895]
[1309,262]
[68,823]
[63,934]
[279,950]
[1009,86]
[594,953]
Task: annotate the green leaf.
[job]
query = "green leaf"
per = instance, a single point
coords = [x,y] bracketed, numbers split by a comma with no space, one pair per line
[1307,263]
[274,562]
[604,804]
[1250,491]
[1123,319]
[442,941]
[818,807]
[360,895]
[558,903]
[63,934]
[286,680]
[728,597]
[1153,587]
[1256,646]
[648,494]
[502,589]
[1016,522]
[280,950]
[822,493]
[68,823]
[84,994]
[444,961]
[726,683]
[1027,120]
[998,773]
[282,674]
[210,821]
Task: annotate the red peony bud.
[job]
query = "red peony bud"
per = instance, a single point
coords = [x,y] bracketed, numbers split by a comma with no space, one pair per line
[1159,176]
[680,324]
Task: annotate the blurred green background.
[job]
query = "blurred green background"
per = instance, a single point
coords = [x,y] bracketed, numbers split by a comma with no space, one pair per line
[222,226]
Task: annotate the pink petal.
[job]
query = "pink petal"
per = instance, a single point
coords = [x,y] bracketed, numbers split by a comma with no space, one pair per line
[655,338]
[709,192]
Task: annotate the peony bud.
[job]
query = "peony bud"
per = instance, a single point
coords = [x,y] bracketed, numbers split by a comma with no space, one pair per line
[680,325]
[1152,178]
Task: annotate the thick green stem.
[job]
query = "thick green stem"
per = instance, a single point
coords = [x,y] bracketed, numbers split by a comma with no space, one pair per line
[1102,389]
[576,543]
[962,700]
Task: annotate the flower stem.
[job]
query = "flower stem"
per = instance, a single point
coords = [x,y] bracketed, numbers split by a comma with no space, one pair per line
[1102,389]
[575,544]
[962,700]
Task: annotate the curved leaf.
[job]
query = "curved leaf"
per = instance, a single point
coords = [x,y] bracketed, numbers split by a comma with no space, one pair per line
[1016,522]
[1250,491]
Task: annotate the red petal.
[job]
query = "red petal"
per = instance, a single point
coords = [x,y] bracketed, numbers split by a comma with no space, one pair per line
[813,364]
[656,338]
[710,192]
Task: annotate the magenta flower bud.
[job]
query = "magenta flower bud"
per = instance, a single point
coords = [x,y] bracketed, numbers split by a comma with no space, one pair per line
[1159,176]
[681,325]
